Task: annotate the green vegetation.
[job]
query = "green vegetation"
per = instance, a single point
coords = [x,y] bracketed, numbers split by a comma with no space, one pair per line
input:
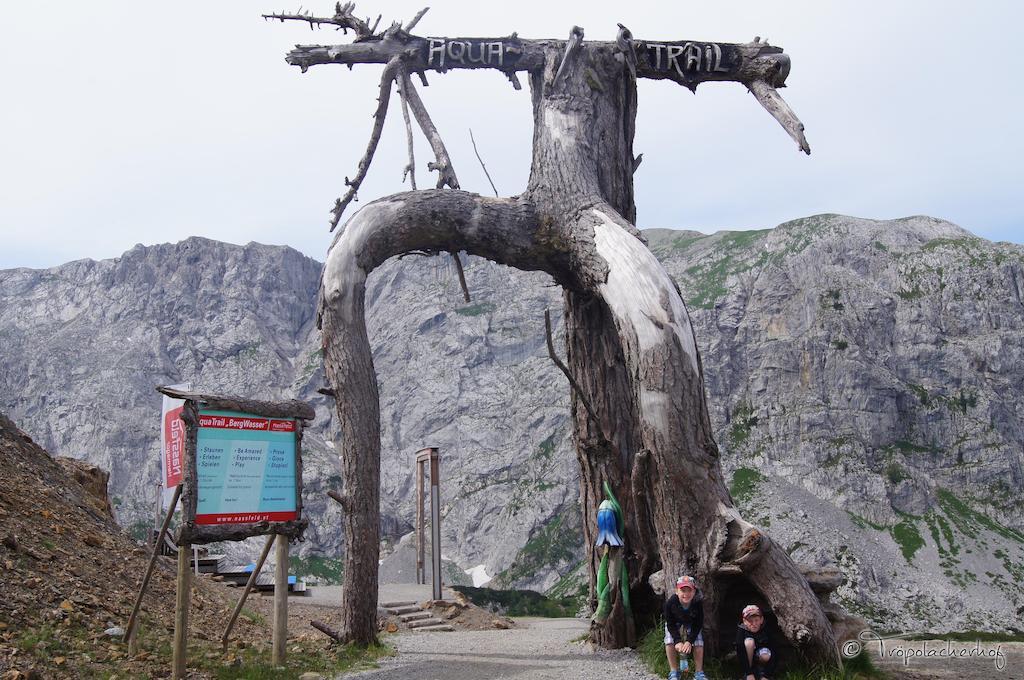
[573,585]
[840,344]
[557,542]
[255,617]
[74,647]
[325,570]
[476,309]
[969,521]
[520,602]
[744,484]
[895,473]
[706,281]
[908,538]
[743,421]
[921,392]
[651,649]
[909,447]
[831,299]
[913,294]
[864,522]
[140,531]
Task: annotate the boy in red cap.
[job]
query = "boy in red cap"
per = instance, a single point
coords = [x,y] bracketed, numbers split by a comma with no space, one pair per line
[753,650]
[684,621]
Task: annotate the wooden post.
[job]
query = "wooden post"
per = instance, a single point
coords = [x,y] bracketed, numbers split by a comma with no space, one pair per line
[181,611]
[435,521]
[245,593]
[132,620]
[280,602]
[159,510]
[421,574]
[424,457]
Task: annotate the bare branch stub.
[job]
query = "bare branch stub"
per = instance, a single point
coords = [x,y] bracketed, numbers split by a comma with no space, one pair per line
[416,19]
[344,20]
[410,169]
[387,77]
[471,138]
[442,163]
[572,50]
[565,370]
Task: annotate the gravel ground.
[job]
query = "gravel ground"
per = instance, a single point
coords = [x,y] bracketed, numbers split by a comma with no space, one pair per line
[540,648]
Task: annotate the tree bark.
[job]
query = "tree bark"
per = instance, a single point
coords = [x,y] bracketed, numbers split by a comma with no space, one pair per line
[630,346]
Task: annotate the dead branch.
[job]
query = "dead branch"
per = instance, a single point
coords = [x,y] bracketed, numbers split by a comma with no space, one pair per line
[572,51]
[410,169]
[378,126]
[624,41]
[443,164]
[326,630]
[562,367]
[462,276]
[481,163]
[343,20]
[774,104]
[415,20]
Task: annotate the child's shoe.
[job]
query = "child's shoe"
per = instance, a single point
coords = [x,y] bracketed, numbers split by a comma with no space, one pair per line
[699,675]
[674,675]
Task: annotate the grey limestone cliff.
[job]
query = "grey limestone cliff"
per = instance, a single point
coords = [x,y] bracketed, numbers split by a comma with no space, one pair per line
[864,380]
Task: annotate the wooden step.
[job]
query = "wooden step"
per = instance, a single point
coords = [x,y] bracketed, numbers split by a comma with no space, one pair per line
[397,603]
[408,609]
[406,618]
[432,621]
[444,627]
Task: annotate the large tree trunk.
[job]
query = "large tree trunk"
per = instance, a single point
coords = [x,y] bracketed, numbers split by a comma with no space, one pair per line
[630,346]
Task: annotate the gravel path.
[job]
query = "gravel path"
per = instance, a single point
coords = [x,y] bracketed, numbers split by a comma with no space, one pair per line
[907,660]
[539,648]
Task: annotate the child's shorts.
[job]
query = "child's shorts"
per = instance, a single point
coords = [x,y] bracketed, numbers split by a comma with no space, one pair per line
[699,642]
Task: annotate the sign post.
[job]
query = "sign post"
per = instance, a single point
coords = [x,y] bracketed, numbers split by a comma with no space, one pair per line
[240,476]
[430,456]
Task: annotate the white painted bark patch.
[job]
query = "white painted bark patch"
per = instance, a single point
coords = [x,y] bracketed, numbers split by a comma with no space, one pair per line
[341,273]
[635,287]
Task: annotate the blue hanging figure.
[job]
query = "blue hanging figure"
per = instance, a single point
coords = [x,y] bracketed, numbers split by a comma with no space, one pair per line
[611,574]
[607,525]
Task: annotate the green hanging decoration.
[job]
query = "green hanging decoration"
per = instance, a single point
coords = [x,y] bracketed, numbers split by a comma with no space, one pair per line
[612,570]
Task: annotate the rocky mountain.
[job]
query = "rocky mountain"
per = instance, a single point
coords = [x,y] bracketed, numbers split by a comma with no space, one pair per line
[864,380]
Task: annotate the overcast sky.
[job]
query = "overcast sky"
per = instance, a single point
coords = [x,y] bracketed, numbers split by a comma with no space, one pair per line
[143,122]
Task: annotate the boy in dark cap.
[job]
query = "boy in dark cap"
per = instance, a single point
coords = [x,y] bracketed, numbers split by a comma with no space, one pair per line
[753,648]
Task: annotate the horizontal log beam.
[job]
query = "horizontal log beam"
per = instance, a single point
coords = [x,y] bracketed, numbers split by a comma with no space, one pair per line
[688,62]
[292,408]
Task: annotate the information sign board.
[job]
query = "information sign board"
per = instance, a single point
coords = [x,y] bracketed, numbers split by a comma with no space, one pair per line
[245,468]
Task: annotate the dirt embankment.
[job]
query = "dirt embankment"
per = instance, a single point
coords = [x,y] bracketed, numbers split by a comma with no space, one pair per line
[70,574]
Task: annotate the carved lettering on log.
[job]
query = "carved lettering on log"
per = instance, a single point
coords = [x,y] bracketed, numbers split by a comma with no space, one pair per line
[445,53]
[689,58]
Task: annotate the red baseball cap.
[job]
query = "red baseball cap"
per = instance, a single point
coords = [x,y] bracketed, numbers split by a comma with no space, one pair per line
[686,582]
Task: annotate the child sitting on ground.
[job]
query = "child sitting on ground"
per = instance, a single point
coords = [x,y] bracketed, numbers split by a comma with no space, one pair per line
[684,621]
[753,650]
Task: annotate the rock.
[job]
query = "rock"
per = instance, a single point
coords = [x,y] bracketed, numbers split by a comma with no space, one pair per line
[499,623]
[114,631]
[392,627]
[93,479]
[864,368]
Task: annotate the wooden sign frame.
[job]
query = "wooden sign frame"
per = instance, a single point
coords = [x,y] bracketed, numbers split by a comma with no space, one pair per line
[189,532]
